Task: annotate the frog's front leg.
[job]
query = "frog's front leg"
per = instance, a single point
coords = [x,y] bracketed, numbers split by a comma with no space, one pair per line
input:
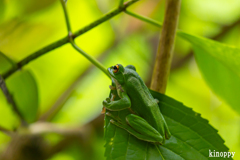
[138,127]
[118,105]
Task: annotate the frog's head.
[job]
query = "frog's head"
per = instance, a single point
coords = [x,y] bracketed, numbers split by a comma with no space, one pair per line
[118,72]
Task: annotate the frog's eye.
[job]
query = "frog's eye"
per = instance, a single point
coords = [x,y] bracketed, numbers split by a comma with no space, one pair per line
[115,68]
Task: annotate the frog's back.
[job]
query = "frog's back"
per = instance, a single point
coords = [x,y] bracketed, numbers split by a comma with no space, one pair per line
[137,90]
[142,102]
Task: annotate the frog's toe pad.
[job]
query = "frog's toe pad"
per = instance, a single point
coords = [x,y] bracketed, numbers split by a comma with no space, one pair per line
[112,121]
[108,114]
[112,87]
[156,100]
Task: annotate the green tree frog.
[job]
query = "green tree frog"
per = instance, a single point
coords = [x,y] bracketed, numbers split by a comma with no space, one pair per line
[145,120]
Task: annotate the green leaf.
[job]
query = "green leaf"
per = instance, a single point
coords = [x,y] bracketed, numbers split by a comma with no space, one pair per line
[23,88]
[192,136]
[220,67]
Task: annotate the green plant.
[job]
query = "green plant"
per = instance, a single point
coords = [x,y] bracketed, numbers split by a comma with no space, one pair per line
[215,60]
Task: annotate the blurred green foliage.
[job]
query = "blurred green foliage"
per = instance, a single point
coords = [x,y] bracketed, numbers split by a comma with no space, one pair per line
[20,85]
[65,79]
[220,66]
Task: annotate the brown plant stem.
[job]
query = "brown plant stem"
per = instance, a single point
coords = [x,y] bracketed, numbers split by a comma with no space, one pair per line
[166,46]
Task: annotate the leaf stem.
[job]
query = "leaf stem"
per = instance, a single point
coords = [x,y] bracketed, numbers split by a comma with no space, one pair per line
[90,58]
[65,40]
[145,19]
[166,46]
[71,40]
[11,101]
[66,16]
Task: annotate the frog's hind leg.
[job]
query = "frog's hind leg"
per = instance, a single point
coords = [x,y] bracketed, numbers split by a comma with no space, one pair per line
[129,129]
[142,126]
[167,132]
[139,128]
